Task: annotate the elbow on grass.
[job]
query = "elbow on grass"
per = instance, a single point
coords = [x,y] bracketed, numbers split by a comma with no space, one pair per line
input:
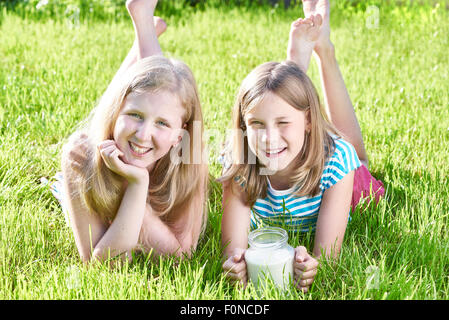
[101,255]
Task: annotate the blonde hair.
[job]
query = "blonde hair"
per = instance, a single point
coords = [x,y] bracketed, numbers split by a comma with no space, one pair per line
[287,81]
[172,184]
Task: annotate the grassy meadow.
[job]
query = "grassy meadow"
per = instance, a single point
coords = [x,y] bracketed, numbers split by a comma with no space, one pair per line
[395,63]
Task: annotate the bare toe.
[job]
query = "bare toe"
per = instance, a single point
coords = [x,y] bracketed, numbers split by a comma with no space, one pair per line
[317,20]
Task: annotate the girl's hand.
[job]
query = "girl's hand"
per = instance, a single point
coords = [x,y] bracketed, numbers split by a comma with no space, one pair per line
[305,268]
[235,267]
[111,157]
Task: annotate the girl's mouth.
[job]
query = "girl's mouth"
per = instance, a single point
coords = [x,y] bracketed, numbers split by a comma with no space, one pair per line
[138,151]
[274,153]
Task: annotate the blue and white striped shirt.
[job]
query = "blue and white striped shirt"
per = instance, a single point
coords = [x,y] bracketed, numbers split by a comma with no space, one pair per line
[299,214]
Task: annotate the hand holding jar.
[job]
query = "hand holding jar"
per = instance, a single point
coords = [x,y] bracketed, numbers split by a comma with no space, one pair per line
[305,268]
[235,267]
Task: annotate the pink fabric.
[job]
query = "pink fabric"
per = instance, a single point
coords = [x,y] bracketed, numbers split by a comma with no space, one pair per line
[365,185]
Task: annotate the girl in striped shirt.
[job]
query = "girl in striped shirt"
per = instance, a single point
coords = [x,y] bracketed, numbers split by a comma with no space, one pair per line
[289,163]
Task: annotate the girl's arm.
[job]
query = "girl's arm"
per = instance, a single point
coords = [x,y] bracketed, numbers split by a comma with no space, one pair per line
[87,228]
[123,234]
[235,225]
[157,236]
[235,222]
[188,227]
[333,217]
[94,239]
[177,239]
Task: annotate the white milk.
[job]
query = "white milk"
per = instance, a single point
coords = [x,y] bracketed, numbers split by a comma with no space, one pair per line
[275,263]
[270,256]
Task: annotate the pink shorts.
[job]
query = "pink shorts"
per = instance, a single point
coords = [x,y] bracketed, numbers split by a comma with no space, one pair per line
[366,186]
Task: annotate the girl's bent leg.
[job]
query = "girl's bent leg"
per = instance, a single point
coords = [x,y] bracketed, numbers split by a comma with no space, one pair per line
[339,105]
[131,58]
[336,97]
[141,12]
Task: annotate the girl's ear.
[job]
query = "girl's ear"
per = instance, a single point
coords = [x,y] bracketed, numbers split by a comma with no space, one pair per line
[308,121]
[176,144]
[180,137]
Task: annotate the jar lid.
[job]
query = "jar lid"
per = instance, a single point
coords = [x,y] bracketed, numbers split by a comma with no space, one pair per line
[268,238]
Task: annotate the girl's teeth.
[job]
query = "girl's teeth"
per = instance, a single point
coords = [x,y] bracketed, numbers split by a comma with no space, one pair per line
[274,152]
[138,149]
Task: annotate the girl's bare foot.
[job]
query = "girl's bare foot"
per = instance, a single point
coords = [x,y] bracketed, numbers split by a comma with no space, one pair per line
[140,10]
[145,27]
[321,7]
[303,35]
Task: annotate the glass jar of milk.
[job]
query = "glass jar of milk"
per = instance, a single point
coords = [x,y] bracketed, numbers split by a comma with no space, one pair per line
[269,255]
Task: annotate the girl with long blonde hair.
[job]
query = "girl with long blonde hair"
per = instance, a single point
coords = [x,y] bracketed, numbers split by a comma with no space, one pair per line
[291,163]
[129,179]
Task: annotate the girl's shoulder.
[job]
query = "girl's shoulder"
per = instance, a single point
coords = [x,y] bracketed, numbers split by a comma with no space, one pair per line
[343,151]
[341,160]
[77,152]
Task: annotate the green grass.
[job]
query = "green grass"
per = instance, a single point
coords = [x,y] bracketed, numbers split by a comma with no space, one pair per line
[53,72]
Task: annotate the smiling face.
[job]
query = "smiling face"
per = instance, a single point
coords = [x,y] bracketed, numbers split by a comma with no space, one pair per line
[148,126]
[276,132]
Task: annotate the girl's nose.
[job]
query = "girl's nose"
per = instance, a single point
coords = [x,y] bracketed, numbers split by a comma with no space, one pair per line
[145,132]
[269,136]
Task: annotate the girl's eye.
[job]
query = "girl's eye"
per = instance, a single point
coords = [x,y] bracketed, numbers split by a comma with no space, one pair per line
[162,123]
[256,123]
[135,115]
[283,122]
